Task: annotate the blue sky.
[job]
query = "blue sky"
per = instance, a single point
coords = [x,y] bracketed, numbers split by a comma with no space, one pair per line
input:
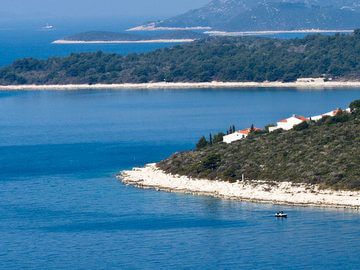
[56,9]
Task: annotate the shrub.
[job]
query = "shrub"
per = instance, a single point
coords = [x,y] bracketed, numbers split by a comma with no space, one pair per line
[211,162]
[268,126]
[202,143]
[301,126]
[355,105]
[218,137]
[340,117]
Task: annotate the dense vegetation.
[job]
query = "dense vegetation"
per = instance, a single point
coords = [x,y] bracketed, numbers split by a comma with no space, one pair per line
[326,152]
[220,59]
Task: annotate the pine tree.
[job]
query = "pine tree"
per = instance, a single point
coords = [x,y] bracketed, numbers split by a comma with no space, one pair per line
[202,143]
[210,139]
[218,137]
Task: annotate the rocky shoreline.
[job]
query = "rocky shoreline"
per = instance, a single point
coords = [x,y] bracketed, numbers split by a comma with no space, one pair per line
[186,85]
[150,177]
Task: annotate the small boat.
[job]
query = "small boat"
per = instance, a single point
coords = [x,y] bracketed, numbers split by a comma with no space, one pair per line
[280,215]
[48,27]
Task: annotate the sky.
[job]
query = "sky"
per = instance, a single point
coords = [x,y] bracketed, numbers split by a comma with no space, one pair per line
[57,9]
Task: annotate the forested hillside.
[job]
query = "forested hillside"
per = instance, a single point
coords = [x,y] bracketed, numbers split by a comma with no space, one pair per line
[326,153]
[220,59]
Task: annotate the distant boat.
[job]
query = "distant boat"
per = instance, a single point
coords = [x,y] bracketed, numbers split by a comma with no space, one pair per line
[48,27]
[280,215]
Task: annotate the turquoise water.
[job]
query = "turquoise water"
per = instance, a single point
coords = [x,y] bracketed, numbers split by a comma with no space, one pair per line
[62,207]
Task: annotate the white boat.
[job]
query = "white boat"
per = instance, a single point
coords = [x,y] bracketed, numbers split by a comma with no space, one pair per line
[48,27]
[280,215]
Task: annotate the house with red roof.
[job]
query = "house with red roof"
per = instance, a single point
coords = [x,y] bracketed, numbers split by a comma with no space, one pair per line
[239,135]
[331,114]
[289,123]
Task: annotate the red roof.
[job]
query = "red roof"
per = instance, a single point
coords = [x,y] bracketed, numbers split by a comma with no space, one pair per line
[336,112]
[295,116]
[247,131]
[301,117]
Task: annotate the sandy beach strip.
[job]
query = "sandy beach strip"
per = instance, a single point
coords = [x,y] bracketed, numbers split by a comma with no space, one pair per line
[62,41]
[184,85]
[275,32]
[153,27]
[150,177]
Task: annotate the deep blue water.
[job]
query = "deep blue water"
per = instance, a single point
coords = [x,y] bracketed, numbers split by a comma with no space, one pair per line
[62,207]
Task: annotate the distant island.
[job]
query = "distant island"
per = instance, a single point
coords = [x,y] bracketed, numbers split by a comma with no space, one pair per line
[114,37]
[314,163]
[264,15]
[333,58]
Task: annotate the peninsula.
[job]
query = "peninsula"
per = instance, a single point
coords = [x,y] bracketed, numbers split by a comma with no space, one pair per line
[95,37]
[315,163]
[239,60]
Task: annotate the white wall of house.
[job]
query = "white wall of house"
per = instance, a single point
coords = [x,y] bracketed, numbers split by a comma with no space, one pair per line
[271,129]
[287,124]
[331,114]
[290,123]
[234,137]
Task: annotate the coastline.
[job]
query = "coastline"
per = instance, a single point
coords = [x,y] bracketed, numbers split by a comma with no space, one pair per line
[255,33]
[62,41]
[185,85]
[150,177]
[153,27]
[211,31]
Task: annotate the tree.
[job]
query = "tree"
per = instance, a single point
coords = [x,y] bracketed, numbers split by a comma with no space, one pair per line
[202,143]
[268,126]
[233,129]
[301,126]
[211,162]
[218,137]
[210,139]
[355,105]
[252,129]
[357,32]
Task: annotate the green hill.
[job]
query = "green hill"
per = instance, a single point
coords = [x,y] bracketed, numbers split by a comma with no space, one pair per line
[325,153]
[230,59]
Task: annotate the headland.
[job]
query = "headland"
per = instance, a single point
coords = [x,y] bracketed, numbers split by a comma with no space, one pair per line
[151,177]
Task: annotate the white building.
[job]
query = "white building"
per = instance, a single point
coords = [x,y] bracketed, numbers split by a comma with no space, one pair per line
[289,123]
[331,114]
[238,135]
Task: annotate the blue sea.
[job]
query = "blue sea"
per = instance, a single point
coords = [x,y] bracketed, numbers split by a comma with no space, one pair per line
[61,206]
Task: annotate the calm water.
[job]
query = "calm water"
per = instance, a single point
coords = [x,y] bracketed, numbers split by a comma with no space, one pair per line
[17,44]
[62,207]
